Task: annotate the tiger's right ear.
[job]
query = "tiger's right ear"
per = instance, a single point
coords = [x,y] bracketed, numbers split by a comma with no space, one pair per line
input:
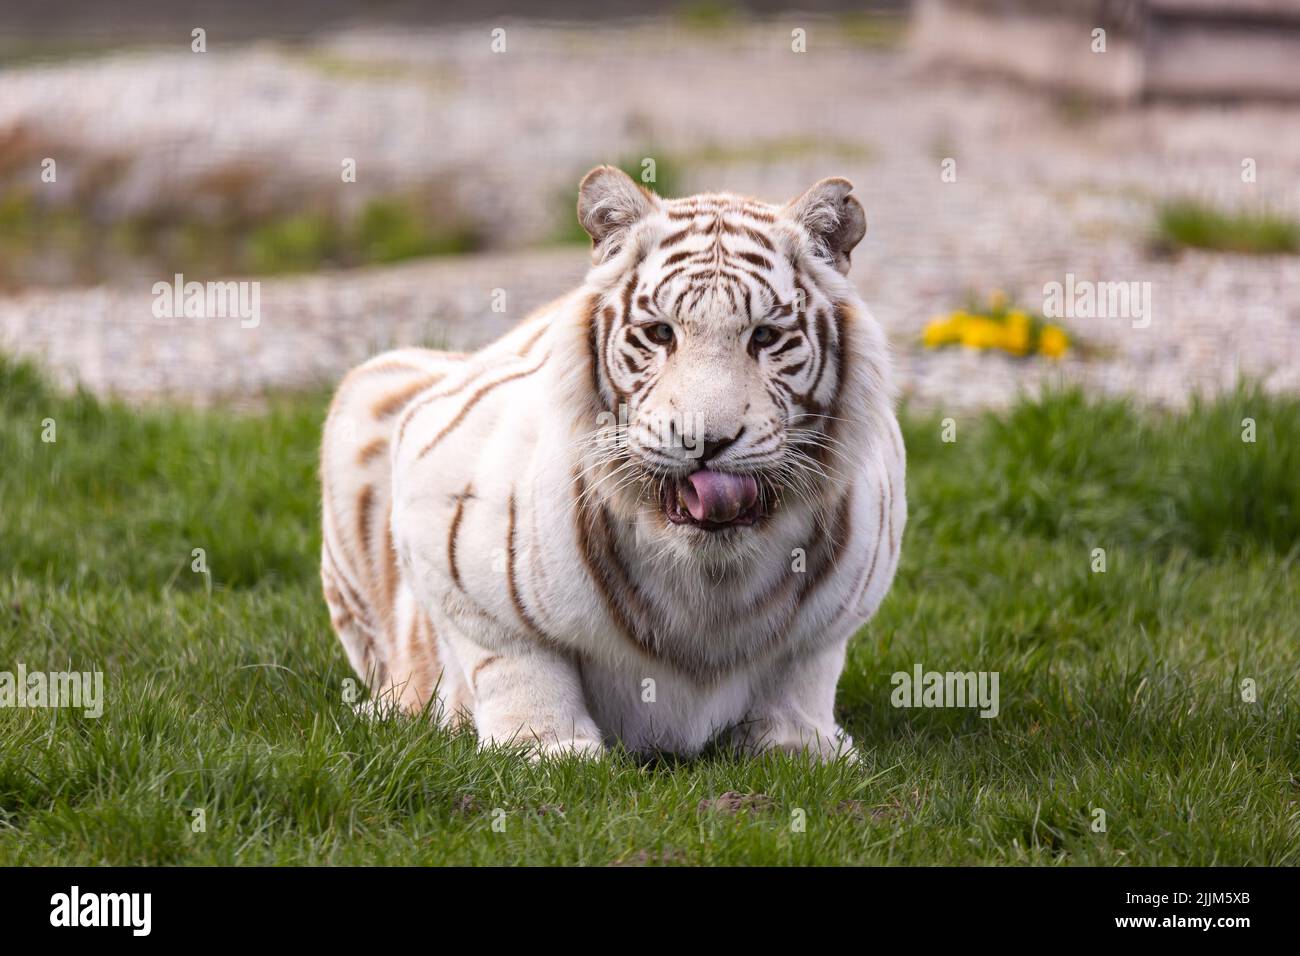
[833,218]
[609,204]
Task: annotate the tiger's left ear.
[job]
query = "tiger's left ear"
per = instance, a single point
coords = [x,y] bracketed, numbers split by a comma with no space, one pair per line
[833,218]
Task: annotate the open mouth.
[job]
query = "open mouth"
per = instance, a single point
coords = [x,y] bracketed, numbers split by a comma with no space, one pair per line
[712,500]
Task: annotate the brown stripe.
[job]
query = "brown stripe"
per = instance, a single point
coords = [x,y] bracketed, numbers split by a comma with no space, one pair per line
[513,584]
[371,449]
[628,290]
[340,616]
[638,608]
[532,339]
[396,401]
[839,540]
[663,280]
[454,390]
[794,341]
[677,237]
[351,599]
[875,554]
[829,549]
[474,400]
[389,563]
[756,236]
[843,320]
[753,258]
[591,560]
[485,662]
[365,501]
[592,347]
[761,280]
[455,529]
[677,257]
[819,350]
[843,317]
[606,334]
[423,653]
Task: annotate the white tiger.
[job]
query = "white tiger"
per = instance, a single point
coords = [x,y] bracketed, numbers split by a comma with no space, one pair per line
[654,513]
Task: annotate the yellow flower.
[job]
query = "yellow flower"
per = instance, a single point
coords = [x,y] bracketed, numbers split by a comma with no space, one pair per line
[935,334]
[1016,337]
[980,333]
[943,331]
[1011,331]
[1053,342]
[1016,341]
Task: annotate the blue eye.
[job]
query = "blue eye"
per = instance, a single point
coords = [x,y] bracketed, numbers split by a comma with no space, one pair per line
[661,334]
[763,335]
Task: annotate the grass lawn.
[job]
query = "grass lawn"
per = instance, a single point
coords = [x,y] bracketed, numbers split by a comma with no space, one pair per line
[1190,223]
[1120,691]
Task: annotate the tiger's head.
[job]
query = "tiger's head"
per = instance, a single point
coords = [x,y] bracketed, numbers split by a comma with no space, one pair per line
[734,371]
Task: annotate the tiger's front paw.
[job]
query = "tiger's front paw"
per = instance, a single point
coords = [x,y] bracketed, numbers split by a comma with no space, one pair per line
[825,744]
[539,744]
[586,748]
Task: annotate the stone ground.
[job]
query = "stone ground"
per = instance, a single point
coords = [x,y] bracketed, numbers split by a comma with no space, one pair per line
[1043,188]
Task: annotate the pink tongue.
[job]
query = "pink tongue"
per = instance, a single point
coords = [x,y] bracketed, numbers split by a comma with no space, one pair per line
[718,496]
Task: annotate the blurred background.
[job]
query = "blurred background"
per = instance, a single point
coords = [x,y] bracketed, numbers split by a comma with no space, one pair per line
[997,146]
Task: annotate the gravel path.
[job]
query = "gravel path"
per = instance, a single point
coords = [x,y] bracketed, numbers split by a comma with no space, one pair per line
[1041,191]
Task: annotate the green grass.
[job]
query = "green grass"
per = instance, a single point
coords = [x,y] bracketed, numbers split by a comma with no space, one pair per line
[872,29]
[707,16]
[387,229]
[1118,690]
[1189,223]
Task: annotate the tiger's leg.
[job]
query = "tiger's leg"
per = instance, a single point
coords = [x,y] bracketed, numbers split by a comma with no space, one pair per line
[413,683]
[350,616]
[526,694]
[794,710]
[426,672]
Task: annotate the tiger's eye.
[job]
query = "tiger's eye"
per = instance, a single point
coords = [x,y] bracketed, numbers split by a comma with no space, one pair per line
[661,333]
[764,335]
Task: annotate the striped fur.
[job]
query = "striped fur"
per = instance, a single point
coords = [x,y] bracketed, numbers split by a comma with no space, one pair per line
[495,545]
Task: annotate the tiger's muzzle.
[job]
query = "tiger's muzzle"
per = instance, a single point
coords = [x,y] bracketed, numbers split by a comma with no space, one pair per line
[712,500]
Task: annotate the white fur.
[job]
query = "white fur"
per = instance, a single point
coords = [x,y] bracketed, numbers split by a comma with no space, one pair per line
[562,675]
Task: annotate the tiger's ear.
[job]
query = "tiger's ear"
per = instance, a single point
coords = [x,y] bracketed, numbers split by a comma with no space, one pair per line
[833,218]
[609,204]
